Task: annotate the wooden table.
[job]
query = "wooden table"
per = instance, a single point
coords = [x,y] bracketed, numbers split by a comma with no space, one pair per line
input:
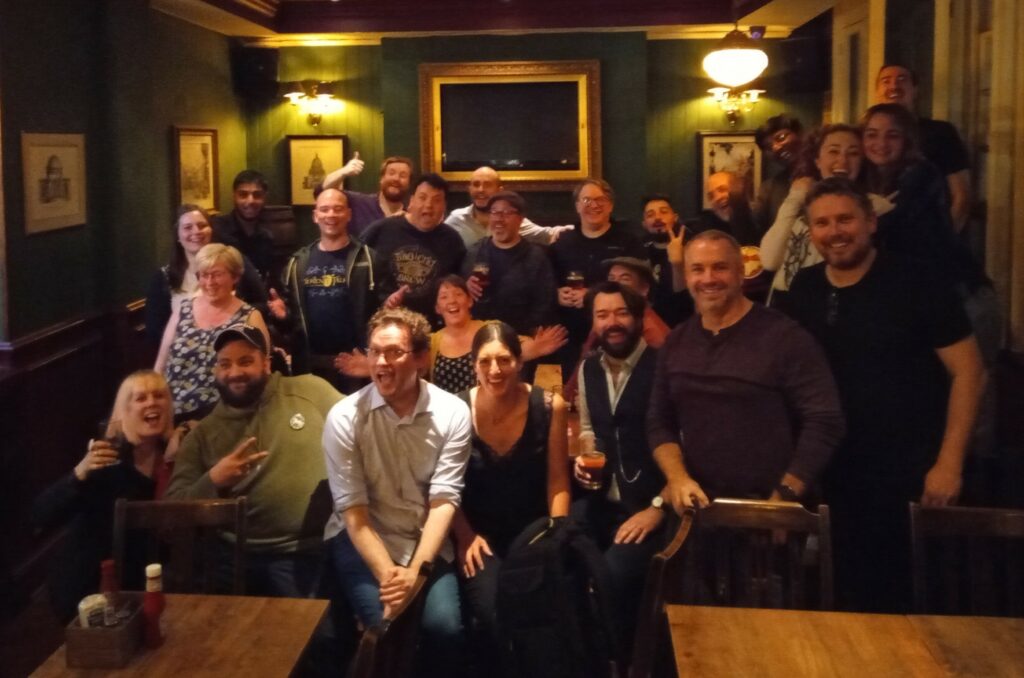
[720,641]
[218,636]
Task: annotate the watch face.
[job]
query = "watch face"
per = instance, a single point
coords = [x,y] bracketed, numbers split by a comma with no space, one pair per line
[657,502]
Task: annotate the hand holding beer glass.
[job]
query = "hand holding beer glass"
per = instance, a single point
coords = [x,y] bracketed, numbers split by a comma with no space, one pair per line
[589,467]
[479,279]
[571,294]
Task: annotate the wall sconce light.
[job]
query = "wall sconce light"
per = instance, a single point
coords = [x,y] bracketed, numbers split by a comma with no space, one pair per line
[313,98]
[732,102]
[735,61]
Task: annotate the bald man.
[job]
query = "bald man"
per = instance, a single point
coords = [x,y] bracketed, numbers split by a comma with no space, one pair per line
[471,221]
[729,210]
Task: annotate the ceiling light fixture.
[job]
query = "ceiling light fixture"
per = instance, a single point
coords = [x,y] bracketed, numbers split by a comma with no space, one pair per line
[736,60]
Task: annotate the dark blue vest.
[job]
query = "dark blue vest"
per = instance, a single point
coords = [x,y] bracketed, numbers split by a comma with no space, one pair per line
[622,436]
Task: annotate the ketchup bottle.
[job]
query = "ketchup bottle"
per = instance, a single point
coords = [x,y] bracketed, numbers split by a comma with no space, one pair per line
[110,589]
[153,605]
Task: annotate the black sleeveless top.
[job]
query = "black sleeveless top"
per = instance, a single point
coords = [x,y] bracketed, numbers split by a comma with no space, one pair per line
[506,493]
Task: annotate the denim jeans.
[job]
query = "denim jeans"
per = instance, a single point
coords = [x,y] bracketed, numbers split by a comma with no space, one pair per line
[440,646]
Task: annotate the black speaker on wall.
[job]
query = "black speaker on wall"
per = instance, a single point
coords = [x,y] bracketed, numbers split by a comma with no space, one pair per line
[254,72]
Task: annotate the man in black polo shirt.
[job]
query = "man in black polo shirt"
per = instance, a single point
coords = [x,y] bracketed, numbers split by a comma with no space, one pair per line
[910,377]
[416,249]
[624,516]
[578,258]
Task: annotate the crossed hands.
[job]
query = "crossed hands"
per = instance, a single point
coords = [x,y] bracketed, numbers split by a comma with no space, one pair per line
[395,585]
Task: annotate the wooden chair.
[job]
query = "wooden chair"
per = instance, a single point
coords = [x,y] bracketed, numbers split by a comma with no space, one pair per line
[728,554]
[967,560]
[177,528]
[652,626]
[388,649]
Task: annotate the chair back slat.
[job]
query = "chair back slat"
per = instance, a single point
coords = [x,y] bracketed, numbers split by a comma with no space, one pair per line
[184,536]
[967,560]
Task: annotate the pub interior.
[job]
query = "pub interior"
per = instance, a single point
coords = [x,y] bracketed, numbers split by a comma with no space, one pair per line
[127,83]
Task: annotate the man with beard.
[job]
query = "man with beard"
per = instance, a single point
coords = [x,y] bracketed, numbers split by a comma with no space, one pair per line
[910,376]
[626,514]
[780,139]
[243,227]
[663,241]
[262,440]
[748,388]
[396,452]
[471,222]
[368,208]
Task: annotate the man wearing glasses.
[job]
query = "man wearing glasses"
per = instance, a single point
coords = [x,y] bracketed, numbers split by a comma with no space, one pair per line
[780,138]
[472,221]
[510,278]
[396,451]
[578,258]
[910,376]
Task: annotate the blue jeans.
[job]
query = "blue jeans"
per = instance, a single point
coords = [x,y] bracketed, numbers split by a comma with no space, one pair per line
[440,648]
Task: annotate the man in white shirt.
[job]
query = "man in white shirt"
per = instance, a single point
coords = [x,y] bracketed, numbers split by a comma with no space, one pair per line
[396,451]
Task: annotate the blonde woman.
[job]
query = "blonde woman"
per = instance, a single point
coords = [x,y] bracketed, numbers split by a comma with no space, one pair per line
[127,460]
[186,354]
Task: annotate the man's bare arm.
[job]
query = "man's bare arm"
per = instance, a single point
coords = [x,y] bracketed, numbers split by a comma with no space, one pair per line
[960,198]
[962,361]
[367,542]
[683,490]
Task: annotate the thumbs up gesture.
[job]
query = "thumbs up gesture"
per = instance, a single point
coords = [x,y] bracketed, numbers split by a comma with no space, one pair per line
[276,305]
[353,167]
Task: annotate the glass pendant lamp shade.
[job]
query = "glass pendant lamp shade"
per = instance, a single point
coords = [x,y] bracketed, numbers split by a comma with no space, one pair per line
[736,60]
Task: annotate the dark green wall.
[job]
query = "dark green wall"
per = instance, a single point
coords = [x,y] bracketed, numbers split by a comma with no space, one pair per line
[122,74]
[911,42]
[623,59]
[679,107]
[51,275]
[357,69]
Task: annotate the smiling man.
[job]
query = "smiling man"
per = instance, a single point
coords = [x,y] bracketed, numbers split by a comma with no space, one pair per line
[243,227]
[472,222]
[781,139]
[396,452]
[626,515]
[910,375]
[388,201]
[939,140]
[329,289]
[750,388]
[415,250]
[262,441]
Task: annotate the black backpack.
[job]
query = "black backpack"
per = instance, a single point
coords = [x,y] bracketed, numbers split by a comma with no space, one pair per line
[553,606]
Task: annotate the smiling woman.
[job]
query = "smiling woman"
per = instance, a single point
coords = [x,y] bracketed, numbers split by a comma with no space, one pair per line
[129,460]
[186,351]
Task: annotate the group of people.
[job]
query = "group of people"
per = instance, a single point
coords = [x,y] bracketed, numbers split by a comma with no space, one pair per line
[857,384]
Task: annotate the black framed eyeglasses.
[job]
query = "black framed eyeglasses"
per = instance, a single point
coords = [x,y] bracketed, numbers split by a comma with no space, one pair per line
[391,354]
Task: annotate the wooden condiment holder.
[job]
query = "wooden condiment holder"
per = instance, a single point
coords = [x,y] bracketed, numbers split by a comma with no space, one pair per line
[106,647]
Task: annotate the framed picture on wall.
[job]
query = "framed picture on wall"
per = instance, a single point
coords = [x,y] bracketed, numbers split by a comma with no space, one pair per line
[195,166]
[53,171]
[310,159]
[728,152]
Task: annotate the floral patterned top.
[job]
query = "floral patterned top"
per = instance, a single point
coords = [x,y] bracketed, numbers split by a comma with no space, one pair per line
[190,361]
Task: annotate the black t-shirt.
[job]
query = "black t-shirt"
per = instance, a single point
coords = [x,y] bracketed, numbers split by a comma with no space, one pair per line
[328,304]
[522,289]
[941,144]
[881,336]
[671,306]
[405,255]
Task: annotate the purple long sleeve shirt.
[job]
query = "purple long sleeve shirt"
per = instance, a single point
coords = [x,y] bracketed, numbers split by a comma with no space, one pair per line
[747,405]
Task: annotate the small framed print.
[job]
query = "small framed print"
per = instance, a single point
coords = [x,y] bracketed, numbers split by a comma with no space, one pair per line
[53,169]
[735,152]
[310,159]
[195,166]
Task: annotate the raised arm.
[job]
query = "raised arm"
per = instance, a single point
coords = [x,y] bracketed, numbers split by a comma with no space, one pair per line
[558,459]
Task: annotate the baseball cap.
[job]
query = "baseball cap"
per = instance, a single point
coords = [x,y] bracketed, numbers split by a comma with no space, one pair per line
[245,332]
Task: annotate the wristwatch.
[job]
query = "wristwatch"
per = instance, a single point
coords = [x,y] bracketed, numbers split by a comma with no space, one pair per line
[786,493]
[658,502]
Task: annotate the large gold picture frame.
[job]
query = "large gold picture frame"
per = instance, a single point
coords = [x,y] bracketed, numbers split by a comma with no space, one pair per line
[586,75]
